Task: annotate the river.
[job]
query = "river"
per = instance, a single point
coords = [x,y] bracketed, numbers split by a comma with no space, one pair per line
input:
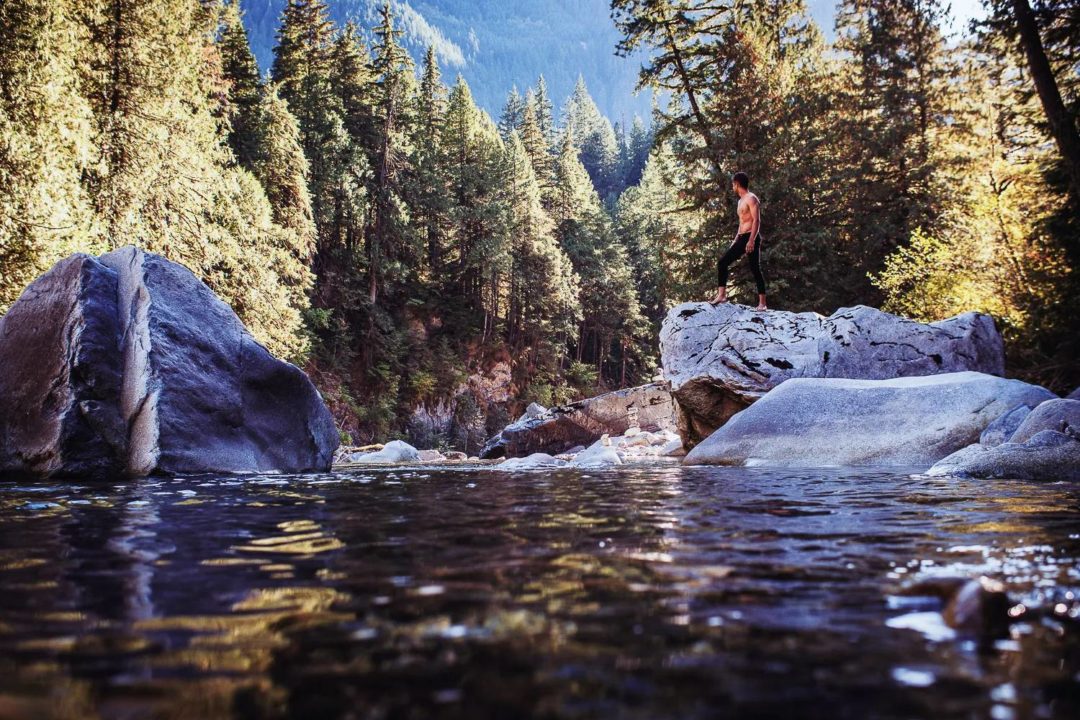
[640,592]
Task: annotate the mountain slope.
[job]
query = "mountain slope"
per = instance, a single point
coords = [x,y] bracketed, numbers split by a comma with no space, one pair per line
[495,45]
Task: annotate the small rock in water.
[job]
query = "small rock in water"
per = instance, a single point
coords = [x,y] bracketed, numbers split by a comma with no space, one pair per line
[536,461]
[980,608]
[394,451]
[456,455]
[598,454]
[431,456]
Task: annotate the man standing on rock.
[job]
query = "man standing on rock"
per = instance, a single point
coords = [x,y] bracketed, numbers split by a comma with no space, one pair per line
[747,241]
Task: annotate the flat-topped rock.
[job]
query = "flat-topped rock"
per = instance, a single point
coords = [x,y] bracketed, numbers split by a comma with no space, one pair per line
[128,364]
[821,422]
[720,359]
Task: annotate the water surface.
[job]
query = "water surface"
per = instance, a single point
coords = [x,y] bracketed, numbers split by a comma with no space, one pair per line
[641,592]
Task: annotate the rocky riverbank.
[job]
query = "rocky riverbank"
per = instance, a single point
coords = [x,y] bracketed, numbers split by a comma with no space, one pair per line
[128,365]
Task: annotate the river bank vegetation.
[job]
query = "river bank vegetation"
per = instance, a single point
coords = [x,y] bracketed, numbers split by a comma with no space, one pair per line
[368,221]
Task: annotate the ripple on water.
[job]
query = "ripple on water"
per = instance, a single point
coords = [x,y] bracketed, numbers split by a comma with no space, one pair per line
[637,592]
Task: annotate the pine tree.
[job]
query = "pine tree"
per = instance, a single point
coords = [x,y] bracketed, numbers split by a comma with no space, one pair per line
[657,231]
[430,201]
[46,142]
[513,114]
[638,146]
[245,90]
[543,306]
[894,106]
[611,312]
[532,139]
[473,155]
[545,112]
[387,234]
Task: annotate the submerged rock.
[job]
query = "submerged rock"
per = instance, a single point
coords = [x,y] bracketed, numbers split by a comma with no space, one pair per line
[129,364]
[980,609]
[819,422]
[649,407]
[721,359]
[395,451]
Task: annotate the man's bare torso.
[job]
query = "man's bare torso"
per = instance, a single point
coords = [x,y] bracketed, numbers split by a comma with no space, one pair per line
[746,216]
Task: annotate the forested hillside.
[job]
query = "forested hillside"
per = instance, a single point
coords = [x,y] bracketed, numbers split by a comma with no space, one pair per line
[494,45]
[367,219]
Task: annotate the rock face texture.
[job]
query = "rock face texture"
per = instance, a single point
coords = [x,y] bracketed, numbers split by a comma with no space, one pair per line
[60,375]
[1060,415]
[649,407]
[1002,429]
[164,376]
[911,422]
[721,359]
[1044,446]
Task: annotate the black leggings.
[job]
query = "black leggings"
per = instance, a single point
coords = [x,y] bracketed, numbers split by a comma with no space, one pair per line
[736,251]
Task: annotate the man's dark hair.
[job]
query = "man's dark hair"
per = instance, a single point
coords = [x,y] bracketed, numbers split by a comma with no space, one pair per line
[743,179]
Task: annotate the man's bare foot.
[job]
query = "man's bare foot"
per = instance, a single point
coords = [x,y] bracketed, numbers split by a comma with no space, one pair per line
[761,308]
[718,299]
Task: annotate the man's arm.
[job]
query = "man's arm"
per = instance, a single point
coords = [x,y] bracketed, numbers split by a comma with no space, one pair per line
[755,215]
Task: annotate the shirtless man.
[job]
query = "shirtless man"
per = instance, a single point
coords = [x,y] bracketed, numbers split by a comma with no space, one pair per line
[747,241]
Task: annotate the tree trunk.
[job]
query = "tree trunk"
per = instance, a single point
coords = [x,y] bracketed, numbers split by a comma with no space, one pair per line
[1062,126]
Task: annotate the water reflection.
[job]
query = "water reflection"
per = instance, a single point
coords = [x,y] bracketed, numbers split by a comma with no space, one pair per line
[643,592]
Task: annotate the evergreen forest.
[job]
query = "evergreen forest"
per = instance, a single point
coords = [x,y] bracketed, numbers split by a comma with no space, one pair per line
[371,223]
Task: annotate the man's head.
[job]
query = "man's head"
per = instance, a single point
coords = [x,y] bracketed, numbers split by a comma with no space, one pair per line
[740,180]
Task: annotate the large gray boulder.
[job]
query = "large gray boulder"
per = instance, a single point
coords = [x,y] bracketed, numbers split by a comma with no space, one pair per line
[555,431]
[818,422]
[163,375]
[721,359]
[1047,455]
[1074,395]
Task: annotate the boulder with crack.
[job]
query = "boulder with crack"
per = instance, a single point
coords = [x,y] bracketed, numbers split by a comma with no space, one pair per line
[721,359]
[128,364]
[649,407]
[818,422]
